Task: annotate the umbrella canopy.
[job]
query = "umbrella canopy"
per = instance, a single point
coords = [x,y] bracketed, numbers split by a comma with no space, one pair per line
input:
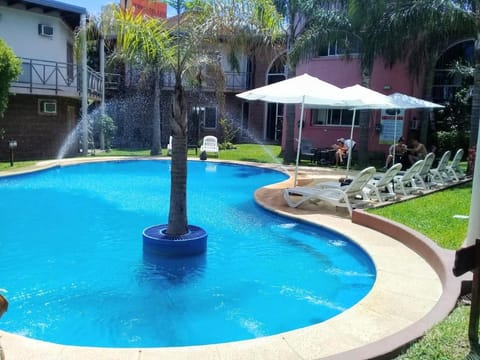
[402,101]
[358,97]
[304,89]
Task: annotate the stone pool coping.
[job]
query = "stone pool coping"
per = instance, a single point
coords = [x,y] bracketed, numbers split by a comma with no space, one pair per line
[414,289]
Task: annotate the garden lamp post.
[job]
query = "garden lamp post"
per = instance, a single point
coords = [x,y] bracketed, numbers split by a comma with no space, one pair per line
[12,144]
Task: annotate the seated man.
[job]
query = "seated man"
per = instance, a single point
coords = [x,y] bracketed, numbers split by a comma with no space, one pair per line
[417,152]
[400,151]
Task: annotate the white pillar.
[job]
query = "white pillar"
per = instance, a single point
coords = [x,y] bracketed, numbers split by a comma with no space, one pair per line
[83,24]
[474,216]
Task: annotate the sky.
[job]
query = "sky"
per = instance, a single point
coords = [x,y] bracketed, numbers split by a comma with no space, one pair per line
[95,6]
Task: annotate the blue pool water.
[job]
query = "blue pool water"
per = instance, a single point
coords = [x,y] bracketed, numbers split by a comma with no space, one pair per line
[72,265]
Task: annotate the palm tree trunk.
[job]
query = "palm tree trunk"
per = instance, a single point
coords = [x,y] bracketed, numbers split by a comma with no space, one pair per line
[364,122]
[428,86]
[177,217]
[288,151]
[156,133]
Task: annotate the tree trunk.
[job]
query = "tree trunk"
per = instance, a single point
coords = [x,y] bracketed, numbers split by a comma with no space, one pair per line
[427,113]
[156,132]
[288,151]
[177,217]
[364,123]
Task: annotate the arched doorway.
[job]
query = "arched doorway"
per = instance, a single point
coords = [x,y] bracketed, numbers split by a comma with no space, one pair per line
[452,87]
[446,82]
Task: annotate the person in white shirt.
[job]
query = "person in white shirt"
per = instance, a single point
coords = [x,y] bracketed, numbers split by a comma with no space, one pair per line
[342,148]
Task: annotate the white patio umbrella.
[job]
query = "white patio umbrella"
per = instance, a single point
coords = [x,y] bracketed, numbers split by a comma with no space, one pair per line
[304,89]
[404,102]
[358,97]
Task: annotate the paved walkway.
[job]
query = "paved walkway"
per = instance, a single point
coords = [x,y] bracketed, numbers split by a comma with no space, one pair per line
[409,295]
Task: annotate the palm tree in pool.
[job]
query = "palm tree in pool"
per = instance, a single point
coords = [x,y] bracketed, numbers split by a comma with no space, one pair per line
[197,34]
[188,47]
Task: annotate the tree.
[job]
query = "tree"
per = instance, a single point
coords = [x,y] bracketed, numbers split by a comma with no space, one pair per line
[426,28]
[353,25]
[294,18]
[97,31]
[146,42]
[10,69]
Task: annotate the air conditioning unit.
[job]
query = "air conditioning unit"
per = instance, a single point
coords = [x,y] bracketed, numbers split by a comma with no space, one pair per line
[49,107]
[45,30]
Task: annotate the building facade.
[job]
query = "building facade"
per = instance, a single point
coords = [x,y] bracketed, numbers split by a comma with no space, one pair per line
[45,104]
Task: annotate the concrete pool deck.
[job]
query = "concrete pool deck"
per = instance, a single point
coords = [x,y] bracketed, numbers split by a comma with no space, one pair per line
[414,289]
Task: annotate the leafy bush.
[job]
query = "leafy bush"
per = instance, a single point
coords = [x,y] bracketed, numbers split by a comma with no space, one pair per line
[229,131]
[10,69]
[452,140]
[105,124]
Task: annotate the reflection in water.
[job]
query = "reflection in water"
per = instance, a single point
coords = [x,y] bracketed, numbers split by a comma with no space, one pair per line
[172,270]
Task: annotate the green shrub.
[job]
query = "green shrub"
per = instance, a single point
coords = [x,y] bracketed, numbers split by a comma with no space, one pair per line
[10,69]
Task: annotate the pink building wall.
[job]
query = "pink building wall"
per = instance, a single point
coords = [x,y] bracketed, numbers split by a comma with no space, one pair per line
[343,73]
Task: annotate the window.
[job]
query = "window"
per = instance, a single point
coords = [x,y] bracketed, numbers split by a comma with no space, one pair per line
[333,117]
[45,30]
[206,116]
[210,117]
[47,107]
[349,45]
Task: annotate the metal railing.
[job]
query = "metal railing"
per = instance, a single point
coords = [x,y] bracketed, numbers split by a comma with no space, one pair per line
[234,82]
[57,78]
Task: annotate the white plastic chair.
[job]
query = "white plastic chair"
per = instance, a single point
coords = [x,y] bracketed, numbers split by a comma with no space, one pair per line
[210,144]
[169,146]
[439,174]
[405,183]
[423,177]
[453,170]
[341,196]
[380,183]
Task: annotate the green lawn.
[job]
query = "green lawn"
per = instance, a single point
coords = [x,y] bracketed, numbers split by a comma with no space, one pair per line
[432,215]
[242,152]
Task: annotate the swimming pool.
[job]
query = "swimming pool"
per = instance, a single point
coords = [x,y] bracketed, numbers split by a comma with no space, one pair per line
[71,259]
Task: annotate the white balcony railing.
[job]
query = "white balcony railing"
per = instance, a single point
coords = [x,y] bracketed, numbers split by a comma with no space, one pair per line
[56,78]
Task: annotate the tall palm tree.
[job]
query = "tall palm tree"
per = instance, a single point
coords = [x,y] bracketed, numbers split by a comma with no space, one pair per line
[145,41]
[350,23]
[296,13]
[99,30]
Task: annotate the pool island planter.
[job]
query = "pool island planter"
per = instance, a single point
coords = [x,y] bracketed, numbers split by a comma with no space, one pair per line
[156,240]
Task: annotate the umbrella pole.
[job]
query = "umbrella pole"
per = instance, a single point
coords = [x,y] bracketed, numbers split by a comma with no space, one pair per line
[300,128]
[394,137]
[350,147]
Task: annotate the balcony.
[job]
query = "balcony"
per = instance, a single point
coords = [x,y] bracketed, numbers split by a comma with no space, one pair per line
[42,77]
[234,81]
